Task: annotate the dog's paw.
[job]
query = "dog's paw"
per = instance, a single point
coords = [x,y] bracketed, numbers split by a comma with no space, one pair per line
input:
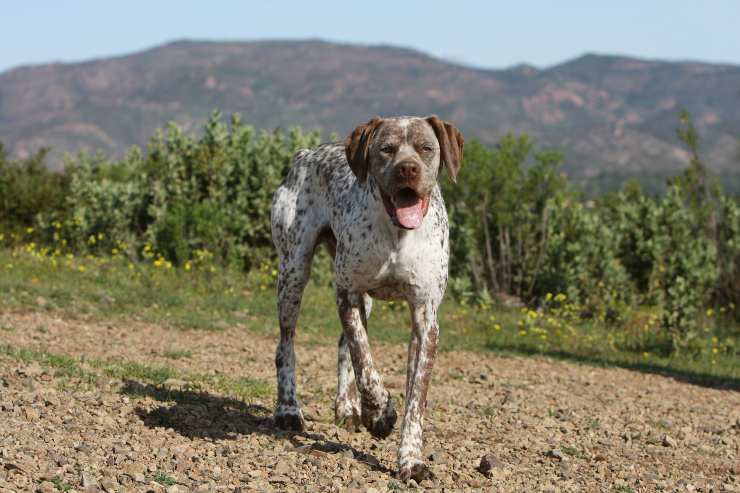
[381,425]
[290,420]
[416,470]
[348,416]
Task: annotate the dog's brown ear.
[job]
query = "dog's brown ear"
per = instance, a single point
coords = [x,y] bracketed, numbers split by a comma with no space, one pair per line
[450,145]
[357,147]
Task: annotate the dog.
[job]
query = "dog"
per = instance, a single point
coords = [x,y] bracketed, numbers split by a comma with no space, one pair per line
[375,202]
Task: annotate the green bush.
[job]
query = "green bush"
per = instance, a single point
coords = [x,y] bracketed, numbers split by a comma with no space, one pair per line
[182,196]
[581,260]
[27,189]
[728,256]
[518,229]
[686,266]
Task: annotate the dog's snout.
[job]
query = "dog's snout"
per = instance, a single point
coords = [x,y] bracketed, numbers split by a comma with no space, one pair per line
[409,170]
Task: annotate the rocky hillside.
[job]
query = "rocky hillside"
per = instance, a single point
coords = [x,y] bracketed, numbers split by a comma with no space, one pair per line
[610,115]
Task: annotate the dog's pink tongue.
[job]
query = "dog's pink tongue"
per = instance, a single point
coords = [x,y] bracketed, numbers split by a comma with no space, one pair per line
[410,216]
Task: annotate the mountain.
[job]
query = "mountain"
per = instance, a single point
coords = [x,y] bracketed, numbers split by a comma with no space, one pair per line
[609,114]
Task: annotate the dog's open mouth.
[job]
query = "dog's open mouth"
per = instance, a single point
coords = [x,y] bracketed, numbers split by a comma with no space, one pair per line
[406,208]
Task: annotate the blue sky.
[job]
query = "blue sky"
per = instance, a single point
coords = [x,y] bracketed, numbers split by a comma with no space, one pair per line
[481,33]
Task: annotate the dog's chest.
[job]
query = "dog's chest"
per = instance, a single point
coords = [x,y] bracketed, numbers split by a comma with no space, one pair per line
[395,264]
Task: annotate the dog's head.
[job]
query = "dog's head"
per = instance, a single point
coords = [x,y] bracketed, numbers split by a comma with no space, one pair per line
[403,156]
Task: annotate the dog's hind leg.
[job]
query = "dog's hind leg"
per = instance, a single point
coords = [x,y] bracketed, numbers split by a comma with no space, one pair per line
[347,403]
[293,273]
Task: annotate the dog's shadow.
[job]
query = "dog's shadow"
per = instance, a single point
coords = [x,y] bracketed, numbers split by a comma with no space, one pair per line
[197,414]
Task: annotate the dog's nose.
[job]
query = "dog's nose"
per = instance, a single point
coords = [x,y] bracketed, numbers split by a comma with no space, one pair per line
[408,170]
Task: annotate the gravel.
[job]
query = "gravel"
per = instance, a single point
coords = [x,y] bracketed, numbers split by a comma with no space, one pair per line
[493,423]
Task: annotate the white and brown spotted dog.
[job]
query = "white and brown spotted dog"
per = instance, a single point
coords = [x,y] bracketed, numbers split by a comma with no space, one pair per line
[376,204]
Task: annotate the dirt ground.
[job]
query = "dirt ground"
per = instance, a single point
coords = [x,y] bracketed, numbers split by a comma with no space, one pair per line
[545,425]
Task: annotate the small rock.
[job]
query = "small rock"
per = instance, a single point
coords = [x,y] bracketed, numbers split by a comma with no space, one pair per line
[669,442]
[341,434]
[59,459]
[563,414]
[438,457]
[46,487]
[109,485]
[134,469]
[88,480]
[41,301]
[173,489]
[347,453]
[474,483]
[84,448]
[51,400]
[281,468]
[204,488]
[371,461]
[427,484]
[488,463]
[555,454]
[354,485]
[33,370]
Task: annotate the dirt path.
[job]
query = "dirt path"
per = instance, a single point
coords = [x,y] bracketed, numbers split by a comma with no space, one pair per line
[551,426]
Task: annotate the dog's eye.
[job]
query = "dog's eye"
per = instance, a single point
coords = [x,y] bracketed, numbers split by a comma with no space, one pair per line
[387,149]
[427,148]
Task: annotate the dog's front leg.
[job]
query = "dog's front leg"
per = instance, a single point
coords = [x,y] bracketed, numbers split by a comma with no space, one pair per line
[422,351]
[377,412]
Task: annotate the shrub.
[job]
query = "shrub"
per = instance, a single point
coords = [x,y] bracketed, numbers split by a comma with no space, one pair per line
[28,188]
[518,228]
[686,266]
[183,195]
